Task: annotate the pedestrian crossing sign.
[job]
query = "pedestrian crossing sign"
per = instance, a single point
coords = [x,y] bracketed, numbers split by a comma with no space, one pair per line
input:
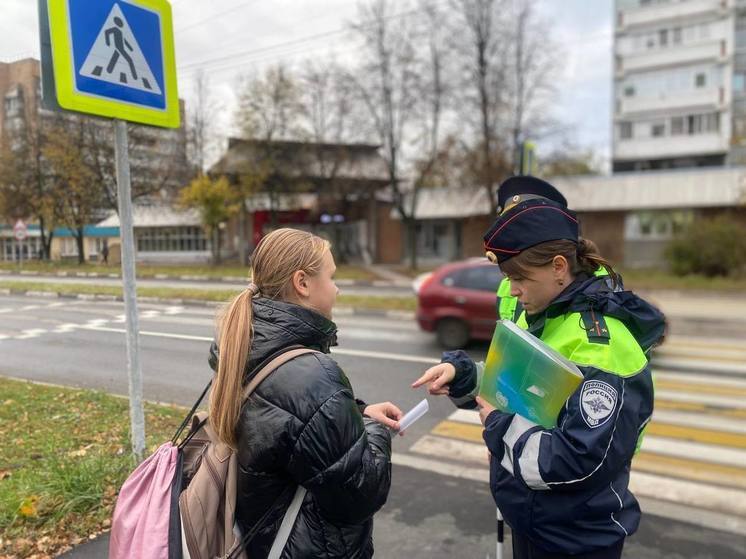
[115,58]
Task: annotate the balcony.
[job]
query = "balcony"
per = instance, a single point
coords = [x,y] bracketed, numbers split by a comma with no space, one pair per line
[658,13]
[706,100]
[714,51]
[671,146]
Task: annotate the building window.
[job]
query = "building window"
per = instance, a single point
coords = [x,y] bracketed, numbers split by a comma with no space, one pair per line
[712,122]
[12,105]
[171,239]
[677,126]
[625,130]
[700,124]
[739,82]
[700,80]
[656,225]
[663,37]
[677,35]
[629,91]
[658,130]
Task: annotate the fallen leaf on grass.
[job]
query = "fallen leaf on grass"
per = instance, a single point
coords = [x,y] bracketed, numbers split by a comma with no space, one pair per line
[28,507]
[81,451]
[4,474]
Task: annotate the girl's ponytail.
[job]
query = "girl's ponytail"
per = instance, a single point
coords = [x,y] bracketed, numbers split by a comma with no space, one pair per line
[226,396]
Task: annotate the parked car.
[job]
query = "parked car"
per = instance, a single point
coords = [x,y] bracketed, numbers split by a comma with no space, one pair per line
[458,301]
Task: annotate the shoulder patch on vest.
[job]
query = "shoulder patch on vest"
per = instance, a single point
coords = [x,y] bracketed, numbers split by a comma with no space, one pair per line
[595,326]
[597,402]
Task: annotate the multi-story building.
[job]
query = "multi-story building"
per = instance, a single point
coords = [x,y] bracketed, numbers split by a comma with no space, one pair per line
[679,84]
[157,155]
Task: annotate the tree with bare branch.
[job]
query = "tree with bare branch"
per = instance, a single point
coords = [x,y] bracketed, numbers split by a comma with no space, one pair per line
[386,85]
[510,63]
[269,109]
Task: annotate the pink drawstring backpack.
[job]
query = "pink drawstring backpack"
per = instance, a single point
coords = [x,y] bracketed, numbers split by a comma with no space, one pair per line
[172,508]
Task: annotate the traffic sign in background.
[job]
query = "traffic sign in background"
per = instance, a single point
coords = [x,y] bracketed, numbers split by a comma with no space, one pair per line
[115,58]
[19,231]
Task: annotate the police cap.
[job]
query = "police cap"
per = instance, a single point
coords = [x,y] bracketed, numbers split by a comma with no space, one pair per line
[524,187]
[532,218]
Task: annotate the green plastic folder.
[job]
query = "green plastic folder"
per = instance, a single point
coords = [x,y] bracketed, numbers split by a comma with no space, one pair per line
[523,375]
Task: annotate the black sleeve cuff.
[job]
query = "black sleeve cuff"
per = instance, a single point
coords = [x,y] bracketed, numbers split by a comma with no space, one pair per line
[466,373]
[361,406]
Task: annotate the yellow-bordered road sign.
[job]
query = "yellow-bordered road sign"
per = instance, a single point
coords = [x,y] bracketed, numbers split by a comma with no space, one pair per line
[115,58]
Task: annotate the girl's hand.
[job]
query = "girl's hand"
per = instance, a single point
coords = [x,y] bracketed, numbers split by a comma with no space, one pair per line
[385,413]
[485,408]
[437,378]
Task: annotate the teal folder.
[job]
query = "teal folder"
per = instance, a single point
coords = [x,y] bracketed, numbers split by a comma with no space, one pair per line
[523,375]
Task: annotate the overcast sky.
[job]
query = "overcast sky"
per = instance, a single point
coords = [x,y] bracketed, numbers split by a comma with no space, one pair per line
[232,37]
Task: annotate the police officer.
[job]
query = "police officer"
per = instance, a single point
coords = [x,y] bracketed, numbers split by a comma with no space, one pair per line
[510,193]
[564,491]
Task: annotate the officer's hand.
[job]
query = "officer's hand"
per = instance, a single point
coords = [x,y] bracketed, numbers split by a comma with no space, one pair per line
[485,408]
[437,378]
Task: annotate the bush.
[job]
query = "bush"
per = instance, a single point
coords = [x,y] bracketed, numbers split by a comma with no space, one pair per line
[713,247]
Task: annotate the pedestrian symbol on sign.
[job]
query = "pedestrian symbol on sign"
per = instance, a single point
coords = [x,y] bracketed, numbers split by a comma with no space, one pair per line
[116,57]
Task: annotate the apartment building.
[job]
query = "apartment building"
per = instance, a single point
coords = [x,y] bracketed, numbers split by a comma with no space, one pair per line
[679,84]
[157,155]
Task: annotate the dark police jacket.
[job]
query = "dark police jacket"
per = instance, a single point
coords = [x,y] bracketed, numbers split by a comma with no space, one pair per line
[303,425]
[566,488]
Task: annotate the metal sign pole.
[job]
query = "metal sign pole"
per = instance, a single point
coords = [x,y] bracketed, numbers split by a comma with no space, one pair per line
[137,417]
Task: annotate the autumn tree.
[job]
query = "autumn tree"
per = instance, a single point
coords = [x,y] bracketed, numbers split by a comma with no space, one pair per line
[76,189]
[216,203]
[25,190]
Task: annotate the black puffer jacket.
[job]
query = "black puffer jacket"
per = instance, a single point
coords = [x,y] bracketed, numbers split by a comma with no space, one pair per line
[303,425]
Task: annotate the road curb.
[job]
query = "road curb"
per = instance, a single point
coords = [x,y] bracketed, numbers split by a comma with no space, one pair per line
[197,277]
[340,311]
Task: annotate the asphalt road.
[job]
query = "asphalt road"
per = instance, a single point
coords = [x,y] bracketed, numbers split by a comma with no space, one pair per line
[437,508]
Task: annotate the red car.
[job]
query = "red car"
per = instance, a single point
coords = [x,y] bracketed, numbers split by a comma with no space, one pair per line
[459,302]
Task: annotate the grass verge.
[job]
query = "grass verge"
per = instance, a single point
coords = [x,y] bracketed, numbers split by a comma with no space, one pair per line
[345,272]
[216,295]
[65,453]
[656,279]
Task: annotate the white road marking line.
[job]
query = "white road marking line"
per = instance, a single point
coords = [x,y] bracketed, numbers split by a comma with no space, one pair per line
[685,449]
[701,420]
[694,378]
[174,310]
[706,399]
[445,447]
[369,334]
[350,352]
[440,467]
[65,328]
[2,311]
[691,493]
[672,417]
[29,308]
[465,416]
[31,333]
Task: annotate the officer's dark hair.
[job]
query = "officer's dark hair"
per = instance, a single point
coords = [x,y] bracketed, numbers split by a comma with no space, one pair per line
[583,257]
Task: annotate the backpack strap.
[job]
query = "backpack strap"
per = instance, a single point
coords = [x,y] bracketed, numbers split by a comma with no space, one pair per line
[270,367]
[287,524]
